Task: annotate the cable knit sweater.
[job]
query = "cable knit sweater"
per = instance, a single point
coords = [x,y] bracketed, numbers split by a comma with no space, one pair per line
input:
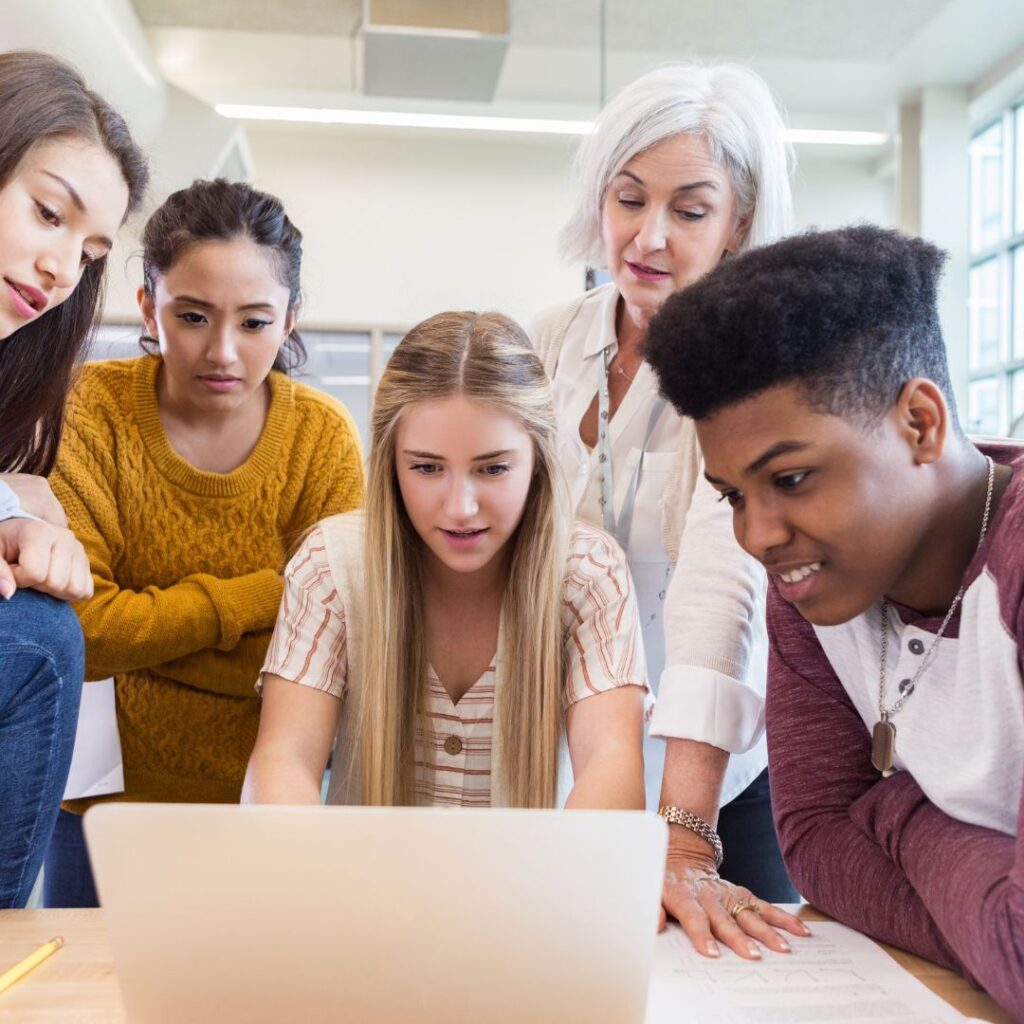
[187,567]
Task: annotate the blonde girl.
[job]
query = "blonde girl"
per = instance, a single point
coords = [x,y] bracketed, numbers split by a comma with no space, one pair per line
[462,641]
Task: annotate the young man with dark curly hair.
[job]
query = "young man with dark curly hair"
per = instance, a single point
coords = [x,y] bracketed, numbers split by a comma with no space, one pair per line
[816,372]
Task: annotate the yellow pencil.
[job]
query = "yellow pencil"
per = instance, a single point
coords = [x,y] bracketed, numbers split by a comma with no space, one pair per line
[19,970]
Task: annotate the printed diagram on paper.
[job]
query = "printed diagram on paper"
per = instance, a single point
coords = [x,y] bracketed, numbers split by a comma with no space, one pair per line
[835,975]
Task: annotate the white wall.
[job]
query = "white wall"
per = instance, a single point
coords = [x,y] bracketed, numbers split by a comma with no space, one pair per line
[829,193]
[399,226]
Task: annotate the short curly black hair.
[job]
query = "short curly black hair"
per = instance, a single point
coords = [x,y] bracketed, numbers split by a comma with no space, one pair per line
[848,315]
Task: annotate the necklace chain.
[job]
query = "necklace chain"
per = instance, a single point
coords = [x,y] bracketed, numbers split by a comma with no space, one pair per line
[622,370]
[929,655]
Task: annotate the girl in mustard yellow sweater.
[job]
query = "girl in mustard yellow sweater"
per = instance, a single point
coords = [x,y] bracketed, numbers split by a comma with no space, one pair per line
[190,476]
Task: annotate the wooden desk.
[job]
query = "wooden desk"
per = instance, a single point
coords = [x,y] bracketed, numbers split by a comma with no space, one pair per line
[77,984]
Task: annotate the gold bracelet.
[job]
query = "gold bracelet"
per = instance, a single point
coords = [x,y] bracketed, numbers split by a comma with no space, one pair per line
[677,816]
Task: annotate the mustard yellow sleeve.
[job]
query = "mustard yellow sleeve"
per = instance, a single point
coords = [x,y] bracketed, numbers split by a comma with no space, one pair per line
[128,629]
[232,673]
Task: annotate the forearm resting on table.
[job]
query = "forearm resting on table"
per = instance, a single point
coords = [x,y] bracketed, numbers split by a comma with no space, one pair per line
[968,877]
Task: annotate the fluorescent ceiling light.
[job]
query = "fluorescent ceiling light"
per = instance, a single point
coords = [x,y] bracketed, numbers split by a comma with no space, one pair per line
[827,137]
[395,119]
[473,122]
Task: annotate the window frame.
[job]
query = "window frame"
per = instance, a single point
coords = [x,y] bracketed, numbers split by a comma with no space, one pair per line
[1006,251]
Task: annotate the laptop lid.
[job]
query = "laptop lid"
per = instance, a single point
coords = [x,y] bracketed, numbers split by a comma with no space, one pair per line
[378,916]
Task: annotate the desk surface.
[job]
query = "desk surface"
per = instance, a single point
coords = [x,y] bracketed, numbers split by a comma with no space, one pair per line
[78,982]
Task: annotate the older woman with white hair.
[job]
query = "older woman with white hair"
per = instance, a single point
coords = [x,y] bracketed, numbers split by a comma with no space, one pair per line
[686,166]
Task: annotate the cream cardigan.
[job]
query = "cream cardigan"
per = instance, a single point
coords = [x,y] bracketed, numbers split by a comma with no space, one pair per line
[712,687]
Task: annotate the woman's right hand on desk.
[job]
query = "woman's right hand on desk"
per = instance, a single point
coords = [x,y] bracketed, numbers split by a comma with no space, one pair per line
[703,904]
[43,557]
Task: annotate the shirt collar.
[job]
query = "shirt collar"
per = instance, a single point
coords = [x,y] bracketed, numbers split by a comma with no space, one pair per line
[603,334]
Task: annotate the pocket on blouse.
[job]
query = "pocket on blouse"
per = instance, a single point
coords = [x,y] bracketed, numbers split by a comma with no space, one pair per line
[645,534]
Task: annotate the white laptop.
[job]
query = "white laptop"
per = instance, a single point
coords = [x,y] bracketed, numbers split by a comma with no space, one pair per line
[246,915]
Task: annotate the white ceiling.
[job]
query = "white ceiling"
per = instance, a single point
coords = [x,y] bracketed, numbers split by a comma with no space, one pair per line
[836,63]
[869,30]
[822,29]
[314,17]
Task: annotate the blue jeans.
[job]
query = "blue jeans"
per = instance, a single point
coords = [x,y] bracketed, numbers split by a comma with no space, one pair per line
[67,878]
[752,855]
[42,663]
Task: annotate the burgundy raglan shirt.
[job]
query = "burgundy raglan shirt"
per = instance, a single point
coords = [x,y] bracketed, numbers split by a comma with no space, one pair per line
[932,858]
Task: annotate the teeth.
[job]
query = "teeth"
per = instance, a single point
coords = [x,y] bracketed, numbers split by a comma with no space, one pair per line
[799,574]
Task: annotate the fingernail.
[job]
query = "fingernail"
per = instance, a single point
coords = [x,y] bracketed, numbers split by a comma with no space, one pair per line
[712,949]
[807,931]
[754,950]
[6,589]
[783,945]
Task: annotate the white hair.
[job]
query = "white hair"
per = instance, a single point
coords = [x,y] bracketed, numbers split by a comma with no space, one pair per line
[729,106]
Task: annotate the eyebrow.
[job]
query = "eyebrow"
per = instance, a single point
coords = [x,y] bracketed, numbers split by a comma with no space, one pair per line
[691,187]
[781,448]
[77,200]
[191,300]
[441,458]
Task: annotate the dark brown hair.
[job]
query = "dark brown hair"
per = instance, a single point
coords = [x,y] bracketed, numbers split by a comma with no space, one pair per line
[43,99]
[221,210]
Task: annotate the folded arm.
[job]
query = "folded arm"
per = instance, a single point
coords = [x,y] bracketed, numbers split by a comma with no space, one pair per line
[128,629]
[819,754]
[232,673]
[970,880]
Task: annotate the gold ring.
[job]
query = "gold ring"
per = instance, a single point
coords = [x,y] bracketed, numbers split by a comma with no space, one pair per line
[740,905]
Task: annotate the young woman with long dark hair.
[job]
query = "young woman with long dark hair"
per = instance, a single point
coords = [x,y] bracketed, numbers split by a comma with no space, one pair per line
[69,175]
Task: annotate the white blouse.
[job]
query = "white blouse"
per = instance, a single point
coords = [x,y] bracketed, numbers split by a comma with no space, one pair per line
[703,624]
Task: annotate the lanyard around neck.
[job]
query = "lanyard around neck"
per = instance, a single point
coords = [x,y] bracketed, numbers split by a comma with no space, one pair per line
[618,528]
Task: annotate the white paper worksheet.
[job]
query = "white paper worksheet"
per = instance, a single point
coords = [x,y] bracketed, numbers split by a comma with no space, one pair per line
[96,768]
[835,975]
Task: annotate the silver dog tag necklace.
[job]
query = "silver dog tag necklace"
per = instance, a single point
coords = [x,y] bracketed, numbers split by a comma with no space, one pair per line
[883,736]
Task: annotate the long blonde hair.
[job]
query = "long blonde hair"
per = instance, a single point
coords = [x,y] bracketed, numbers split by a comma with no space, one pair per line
[484,357]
